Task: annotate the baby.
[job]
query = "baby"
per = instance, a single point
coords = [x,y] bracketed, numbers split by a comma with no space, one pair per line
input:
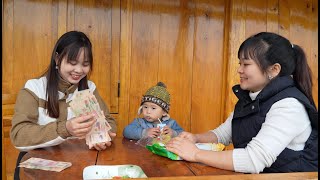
[155,105]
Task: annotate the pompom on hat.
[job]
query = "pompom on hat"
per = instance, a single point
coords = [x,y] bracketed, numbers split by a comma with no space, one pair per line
[159,95]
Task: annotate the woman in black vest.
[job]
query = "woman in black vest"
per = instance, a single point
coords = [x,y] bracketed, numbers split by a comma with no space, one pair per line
[274,125]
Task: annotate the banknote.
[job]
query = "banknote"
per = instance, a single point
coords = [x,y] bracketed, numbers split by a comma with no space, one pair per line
[84,103]
[45,164]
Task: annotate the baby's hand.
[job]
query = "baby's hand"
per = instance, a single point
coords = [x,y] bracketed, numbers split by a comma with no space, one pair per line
[153,132]
[167,131]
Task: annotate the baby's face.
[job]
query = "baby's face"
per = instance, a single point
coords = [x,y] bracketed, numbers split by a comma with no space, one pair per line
[151,111]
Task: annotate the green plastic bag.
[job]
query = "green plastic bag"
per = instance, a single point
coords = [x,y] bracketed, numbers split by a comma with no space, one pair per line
[160,149]
[157,146]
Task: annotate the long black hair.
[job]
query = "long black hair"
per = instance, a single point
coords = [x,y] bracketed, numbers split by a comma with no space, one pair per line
[268,48]
[69,45]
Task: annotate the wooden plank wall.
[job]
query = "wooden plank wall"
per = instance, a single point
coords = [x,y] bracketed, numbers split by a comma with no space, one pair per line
[190,45]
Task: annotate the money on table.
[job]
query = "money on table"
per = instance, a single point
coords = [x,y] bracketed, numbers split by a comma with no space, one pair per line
[44,164]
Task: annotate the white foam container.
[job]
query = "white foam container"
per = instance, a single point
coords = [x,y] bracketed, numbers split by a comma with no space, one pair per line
[108,172]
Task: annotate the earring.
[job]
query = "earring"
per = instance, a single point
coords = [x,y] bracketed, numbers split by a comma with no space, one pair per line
[270,77]
[57,67]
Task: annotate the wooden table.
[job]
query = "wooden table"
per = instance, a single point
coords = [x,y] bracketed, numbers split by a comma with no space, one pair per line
[74,150]
[124,151]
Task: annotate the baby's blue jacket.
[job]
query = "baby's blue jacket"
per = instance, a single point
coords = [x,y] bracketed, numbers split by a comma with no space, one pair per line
[135,129]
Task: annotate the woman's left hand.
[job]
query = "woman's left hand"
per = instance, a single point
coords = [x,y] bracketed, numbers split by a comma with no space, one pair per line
[183,148]
[104,145]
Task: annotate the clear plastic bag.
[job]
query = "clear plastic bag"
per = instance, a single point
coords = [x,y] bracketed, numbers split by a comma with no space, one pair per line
[157,146]
[145,141]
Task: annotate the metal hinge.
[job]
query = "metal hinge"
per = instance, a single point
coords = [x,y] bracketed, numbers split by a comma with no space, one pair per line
[118,88]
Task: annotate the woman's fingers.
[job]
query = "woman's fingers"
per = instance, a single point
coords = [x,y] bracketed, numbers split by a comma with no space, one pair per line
[100,146]
[82,131]
[79,126]
[175,142]
[84,118]
[173,149]
[184,134]
[112,135]
[108,143]
[86,125]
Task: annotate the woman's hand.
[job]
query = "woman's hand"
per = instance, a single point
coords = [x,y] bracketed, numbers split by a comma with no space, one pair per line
[183,147]
[80,126]
[153,132]
[104,145]
[189,136]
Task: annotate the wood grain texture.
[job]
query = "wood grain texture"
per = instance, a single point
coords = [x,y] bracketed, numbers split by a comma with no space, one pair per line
[94,19]
[4,164]
[236,37]
[125,56]
[144,62]
[124,151]
[208,62]
[7,53]
[190,45]
[314,54]
[175,58]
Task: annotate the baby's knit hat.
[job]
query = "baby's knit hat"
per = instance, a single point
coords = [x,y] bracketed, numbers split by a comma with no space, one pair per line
[159,95]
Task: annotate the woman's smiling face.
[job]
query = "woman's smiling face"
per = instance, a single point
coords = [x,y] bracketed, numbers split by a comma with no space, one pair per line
[74,70]
[252,78]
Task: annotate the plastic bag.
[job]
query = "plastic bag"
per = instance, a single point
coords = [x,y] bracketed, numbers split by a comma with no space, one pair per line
[157,146]
[159,149]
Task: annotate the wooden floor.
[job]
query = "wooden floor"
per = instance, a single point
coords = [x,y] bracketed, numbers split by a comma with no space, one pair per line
[11,154]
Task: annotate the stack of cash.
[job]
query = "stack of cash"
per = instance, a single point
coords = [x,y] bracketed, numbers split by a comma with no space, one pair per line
[84,103]
[43,164]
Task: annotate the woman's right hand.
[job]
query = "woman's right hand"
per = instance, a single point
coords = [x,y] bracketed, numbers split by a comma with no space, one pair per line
[187,135]
[184,148]
[80,126]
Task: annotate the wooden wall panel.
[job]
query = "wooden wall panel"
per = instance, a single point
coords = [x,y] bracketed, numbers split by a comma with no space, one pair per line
[4,163]
[8,96]
[94,19]
[236,37]
[191,45]
[62,17]
[144,62]
[295,20]
[207,80]
[7,53]
[284,20]
[175,57]
[32,27]
[28,39]
[247,18]
[255,17]
[272,16]
[28,44]
[115,57]
[32,42]
[303,20]
[314,51]
[125,56]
